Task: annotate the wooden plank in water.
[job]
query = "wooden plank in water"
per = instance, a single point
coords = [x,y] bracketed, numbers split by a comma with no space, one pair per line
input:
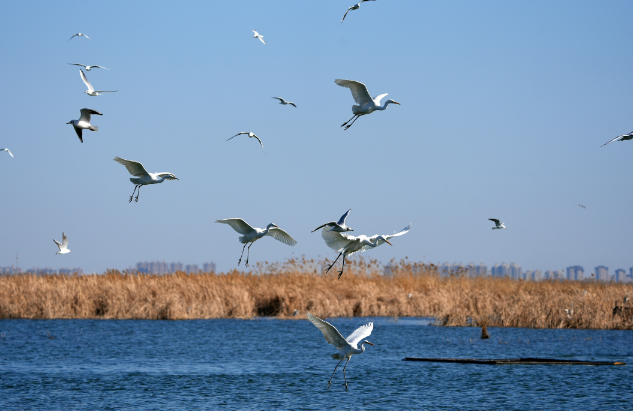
[524,361]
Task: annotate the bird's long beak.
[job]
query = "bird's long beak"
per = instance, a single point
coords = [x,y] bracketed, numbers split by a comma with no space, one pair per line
[397,103]
[387,242]
[68,122]
[368,342]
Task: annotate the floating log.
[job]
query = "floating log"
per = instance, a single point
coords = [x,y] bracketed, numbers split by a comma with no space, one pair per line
[523,361]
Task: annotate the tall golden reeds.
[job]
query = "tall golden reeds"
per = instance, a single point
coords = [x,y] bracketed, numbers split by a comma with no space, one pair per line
[411,290]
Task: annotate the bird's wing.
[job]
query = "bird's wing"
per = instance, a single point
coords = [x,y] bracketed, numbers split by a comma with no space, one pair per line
[293,105]
[346,14]
[260,141]
[377,99]
[7,150]
[359,334]
[106,91]
[611,141]
[242,132]
[238,224]
[281,99]
[77,64]
[282,236]
[331,334]
[64,240]
[263,41]
[87,37]
[330,224]
[621,138]
[402,232]
[78,131]
[86,112]
[134,167]
[169,176]
[101,67]
[359,90]
[90,86]
[495,220]
[343,218]
[74,35]
[255,33]
[336,241]
[59,245]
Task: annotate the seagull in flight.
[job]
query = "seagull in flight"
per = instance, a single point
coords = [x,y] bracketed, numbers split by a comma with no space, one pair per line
[498,223]
[355,7]
[84,122]
[7,150]
[346,347]
[144,178]
[87,67]
[285,102]
[251,135]
[78,35]
[63,246]
[258,36]
[339,226]
[623,137]
[91,91]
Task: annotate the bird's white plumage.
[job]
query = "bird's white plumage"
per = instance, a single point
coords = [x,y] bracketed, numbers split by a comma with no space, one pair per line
[88,68]
[79,35]
[285,102]
[623,137]
[238,224]
[342,220]
[251,135]
[498,223]
[282,236]
[63,246]
[85,114]
[7,150]
[134,167]
[83,76]
[359,334]
[258,36]
[359,91]
[331,334]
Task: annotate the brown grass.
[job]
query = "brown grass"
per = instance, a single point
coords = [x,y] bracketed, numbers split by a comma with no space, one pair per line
[413,290]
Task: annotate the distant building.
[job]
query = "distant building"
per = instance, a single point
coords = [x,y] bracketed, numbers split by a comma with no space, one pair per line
[209,267]
[555,275]
[161,268]
[41,271]
[71,271]
[620,275]
[515,271]
[10,270]
[575,272]
[601,273]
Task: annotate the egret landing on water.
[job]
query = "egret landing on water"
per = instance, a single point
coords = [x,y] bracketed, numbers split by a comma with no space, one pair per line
[251,234]
[339,226]
[347,347]
[136,169]
[63,246]
[84,122]
[366,105]
[498,223]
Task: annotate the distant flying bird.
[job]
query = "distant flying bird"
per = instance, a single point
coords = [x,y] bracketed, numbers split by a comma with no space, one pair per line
[348,244]
[251,135]
[78,35]
[339,226]
[7,150]
[91,91]
[136,169]
[251,234]
[285,102]
[366,105]
[498,223]
[580,205]
[258,36]
[87,67]
[346,347]
[355,7]
[623,137]
[63,246]
[84,122]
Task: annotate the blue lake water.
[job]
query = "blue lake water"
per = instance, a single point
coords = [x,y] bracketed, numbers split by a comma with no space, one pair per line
[277,364]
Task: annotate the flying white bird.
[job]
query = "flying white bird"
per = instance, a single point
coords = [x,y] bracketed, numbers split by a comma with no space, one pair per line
[87,67]
[251,234]
[63,246]
[258,36]
[251,135]
[346,347]
[136,169]
[366,105]
[498,223]
[78,35]
[348,244]
[355,7]
[84,122]
[7,150]
[91,91]
[339,226]
[623,137]
[285,102]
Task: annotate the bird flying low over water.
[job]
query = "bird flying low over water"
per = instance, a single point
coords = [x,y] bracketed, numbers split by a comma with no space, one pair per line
[355,7]
[498,223]
[365,104]
[84,122]
[348,244]
[251,234]
[285,102]
[63,246]
[623,137]
[7,150]
[144,178]
[91,91]
[346,346]
[258,36]
[339,226]
[251,135]
[87,67]
[79,35]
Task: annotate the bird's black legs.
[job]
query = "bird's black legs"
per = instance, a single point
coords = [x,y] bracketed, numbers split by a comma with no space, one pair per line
[331,266]
[135,189]
[247,261]
[241,254]
[346,128]
[338,364]
[348,120]
[138,191]
[345,382]
[342,271]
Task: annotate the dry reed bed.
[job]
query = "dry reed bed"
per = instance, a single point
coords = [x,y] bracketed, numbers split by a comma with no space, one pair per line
[412,290]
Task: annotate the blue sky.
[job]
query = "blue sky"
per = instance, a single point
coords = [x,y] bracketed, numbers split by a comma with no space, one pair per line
[504,107]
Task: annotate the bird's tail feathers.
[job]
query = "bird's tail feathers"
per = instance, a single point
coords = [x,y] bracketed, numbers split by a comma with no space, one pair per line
[335,356]
[94,128]
[355,107]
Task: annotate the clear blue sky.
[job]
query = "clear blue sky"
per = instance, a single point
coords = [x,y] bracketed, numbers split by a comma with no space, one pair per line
[504,107]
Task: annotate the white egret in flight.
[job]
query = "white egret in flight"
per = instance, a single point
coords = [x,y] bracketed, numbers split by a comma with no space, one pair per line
[7,150]
[258,36]
[251,135]
[136,169]
[84,122]
[339,226]
[285,102]
[355,7]
[623,137]
[63,246]
[87,67]
[251,234]
[365,104]
[91,91]
[498,223]
[348,244]
[79,35]
[346,347]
